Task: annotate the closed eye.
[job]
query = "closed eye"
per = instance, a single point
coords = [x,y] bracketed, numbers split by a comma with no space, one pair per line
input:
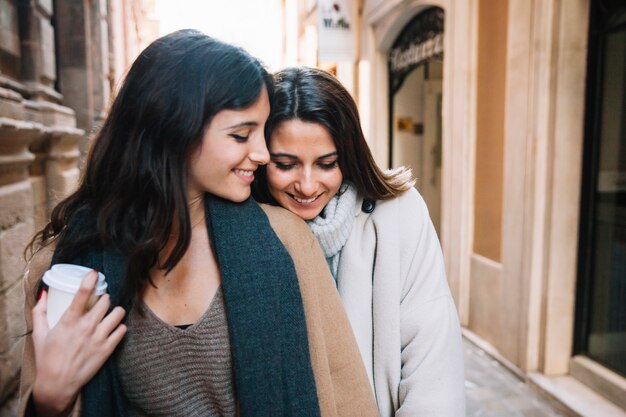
[239,138]
[328,165]
[284,166]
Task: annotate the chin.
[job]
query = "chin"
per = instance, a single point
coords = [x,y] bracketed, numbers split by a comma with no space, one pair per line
[236,198]
[240,199]
[305,214]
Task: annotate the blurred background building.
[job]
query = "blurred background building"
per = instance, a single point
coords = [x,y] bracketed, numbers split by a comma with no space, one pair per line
[511,114]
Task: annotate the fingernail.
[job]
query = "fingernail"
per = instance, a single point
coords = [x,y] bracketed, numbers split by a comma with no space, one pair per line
[92,277]
[41,294]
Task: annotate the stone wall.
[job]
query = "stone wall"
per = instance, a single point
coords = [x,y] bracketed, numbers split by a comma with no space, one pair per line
[38,165]
[59,63]
[37,162]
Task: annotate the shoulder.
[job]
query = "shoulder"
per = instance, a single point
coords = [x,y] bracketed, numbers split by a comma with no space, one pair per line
[411,198]
[408,206]
[289,228]
[403,222]
[38,263]
[282,219]
[42,256]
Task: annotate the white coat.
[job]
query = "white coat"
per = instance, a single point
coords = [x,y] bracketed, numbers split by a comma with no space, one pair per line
[393,285]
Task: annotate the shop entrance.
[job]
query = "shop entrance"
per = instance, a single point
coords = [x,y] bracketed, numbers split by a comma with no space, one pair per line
[416,75]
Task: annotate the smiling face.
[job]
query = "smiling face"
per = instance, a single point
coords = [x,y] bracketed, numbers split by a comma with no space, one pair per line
[232,148]
[303,174]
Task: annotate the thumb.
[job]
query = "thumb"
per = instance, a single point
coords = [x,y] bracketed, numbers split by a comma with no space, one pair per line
[40,319]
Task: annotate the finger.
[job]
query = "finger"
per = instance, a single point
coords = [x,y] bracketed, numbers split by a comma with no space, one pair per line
[81,298]
[40,318]
[99,310]
[104,351]
[110,322]
[115,338]
[42,302]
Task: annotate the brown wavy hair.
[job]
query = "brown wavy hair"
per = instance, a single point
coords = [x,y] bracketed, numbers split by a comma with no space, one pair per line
[316,96]
[133,192]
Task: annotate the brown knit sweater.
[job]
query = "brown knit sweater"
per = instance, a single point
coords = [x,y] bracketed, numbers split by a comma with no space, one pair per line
[168,371]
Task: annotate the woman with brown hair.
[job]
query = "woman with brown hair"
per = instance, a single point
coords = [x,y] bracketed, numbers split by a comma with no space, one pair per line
[216,306]
[378,240]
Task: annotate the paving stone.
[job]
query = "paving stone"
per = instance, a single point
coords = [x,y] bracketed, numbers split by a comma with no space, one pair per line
[493,391]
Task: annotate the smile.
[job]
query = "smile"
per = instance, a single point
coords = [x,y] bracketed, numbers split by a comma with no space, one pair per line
[304,200]
[246,175]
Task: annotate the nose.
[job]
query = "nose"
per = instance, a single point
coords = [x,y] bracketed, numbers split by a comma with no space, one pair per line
[258,151]
[306,184]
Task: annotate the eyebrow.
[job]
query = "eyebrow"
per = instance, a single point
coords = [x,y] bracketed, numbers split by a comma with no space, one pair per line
[290,156]
[242,124]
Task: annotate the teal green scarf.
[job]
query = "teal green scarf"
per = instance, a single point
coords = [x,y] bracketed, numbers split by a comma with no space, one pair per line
[273,373]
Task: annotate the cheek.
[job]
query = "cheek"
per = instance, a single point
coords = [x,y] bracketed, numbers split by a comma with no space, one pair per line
[334,180]
[277,179]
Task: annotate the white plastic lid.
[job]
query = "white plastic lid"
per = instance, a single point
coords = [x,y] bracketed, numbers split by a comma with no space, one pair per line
[67,278]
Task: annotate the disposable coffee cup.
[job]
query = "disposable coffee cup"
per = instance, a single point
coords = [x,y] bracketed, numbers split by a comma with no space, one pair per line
[63,281]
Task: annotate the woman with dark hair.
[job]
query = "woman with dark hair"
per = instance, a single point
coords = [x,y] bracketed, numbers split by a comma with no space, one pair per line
[219,306]
[378,240]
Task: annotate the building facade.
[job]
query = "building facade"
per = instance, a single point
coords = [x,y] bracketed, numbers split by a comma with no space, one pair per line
[59,63]
[511,114]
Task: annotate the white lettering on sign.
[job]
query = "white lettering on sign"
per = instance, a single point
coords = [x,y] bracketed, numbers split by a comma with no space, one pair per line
[416,53]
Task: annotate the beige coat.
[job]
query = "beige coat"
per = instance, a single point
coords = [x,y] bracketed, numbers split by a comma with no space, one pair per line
[342,384]
[393,285]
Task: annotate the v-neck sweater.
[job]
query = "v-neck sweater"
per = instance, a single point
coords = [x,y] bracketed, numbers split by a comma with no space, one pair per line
[168,371]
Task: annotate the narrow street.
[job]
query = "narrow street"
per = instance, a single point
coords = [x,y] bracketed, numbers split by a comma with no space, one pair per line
[491,390]
[507,116]
[494,391]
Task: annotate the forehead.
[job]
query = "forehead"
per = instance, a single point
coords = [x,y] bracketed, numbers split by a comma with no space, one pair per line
[302,135]
[256,113]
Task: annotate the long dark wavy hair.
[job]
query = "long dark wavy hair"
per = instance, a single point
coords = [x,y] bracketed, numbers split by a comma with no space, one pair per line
[316,96]
[133,191]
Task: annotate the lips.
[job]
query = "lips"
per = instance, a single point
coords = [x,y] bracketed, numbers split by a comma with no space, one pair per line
[245,174]
[304,201]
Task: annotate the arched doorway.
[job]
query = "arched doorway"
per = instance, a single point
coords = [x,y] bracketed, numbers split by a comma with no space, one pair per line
[415,64]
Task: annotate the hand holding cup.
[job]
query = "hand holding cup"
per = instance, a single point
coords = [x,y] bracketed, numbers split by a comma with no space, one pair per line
[68,355]
[63,281]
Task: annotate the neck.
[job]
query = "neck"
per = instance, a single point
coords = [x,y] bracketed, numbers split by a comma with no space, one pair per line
[197,223]
[196,215]
[196,210]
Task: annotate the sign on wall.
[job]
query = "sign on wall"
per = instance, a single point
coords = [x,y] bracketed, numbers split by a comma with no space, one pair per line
[336,30]
[415,53]
[420,41]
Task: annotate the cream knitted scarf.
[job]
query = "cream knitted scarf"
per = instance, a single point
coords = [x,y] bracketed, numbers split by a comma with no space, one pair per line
[333,226]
